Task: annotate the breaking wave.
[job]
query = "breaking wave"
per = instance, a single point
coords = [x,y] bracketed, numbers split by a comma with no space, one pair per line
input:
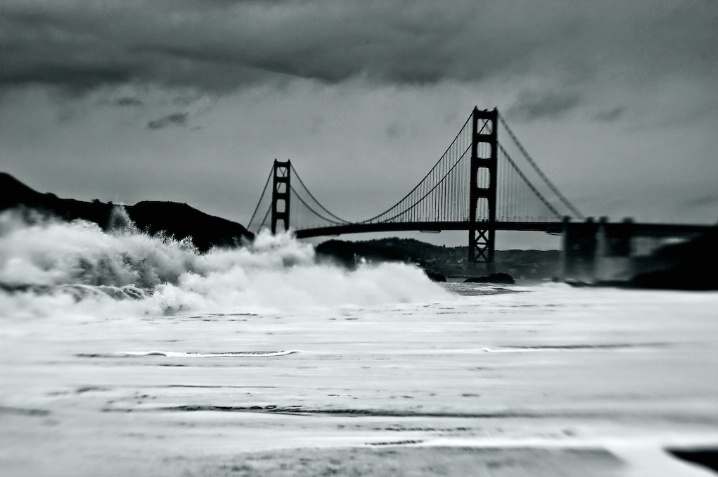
[48,265]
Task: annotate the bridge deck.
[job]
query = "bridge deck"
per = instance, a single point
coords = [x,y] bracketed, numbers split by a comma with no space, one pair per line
[647,229]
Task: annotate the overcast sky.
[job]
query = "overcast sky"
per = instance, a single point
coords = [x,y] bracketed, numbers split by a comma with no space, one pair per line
[192,100]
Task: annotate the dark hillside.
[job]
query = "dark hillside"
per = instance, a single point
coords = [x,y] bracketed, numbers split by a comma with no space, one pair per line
[172,218]
[181,220]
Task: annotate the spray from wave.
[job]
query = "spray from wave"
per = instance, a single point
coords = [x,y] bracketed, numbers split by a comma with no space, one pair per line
[48,265]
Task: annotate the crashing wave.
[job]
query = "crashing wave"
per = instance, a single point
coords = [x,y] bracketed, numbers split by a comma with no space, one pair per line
[78,262]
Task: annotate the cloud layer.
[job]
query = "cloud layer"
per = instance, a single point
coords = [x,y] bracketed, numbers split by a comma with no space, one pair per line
[220,46]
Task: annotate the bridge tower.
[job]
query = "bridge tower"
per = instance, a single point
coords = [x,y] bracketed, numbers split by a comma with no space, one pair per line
[281,176]
[482,186]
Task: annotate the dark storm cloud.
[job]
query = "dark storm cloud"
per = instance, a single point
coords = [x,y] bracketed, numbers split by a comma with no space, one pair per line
[394,129]
[129,101]
[173,119]
[220,46]
[74,77]
[552,105]
[610,115]
[709,199]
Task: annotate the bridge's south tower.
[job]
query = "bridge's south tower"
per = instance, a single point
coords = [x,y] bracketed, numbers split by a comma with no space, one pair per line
[280,194]
[482,187]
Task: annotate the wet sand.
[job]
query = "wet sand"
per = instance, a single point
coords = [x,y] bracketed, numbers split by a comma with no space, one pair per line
[419,461]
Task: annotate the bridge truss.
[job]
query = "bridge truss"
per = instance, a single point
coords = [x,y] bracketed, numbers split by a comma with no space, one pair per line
[479,184]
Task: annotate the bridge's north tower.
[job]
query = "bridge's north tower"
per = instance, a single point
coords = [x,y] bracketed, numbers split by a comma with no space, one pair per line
[482,186]
[280,194]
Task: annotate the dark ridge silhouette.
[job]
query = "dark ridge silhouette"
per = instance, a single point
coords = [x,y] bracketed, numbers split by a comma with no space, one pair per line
[16,194]
[444,261]
[694,266]
[348,253]
[15,191]
[706,457]
[171,218]
[181,220]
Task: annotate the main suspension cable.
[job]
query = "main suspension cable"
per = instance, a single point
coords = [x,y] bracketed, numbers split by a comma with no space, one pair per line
[528,157]
[314,198]
[312,210]
[528,183]
[264,190]
[425,177]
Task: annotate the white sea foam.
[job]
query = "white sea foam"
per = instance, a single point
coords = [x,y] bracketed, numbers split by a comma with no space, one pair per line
[50,267]
[188,354]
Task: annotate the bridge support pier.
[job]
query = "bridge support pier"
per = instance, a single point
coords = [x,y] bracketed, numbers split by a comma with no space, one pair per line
[614,250]
[482,187]
[281,176]
[597,251]
[578,253]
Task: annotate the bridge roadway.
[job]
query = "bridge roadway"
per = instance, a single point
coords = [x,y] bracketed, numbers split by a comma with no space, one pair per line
[634,228]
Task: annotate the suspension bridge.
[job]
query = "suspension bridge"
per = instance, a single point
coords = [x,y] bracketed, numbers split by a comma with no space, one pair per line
[479,184]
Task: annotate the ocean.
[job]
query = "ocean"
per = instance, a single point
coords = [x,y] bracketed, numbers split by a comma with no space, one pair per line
[124,354]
